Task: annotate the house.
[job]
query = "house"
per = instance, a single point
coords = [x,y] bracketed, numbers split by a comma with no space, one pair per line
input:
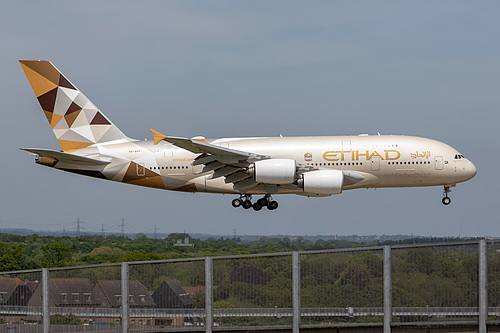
[108,294]
[13,291]
[65,293]
[195,292]
[171,295]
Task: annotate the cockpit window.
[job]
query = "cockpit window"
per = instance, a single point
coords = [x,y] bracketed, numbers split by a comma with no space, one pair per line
[459,156]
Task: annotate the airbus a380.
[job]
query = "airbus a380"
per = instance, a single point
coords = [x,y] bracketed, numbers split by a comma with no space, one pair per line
[315,166]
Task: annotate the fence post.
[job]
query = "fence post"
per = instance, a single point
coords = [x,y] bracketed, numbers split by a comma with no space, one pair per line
[45,300]
[125,296]
[296,291]
[387,288]
[209,313]
[483,286]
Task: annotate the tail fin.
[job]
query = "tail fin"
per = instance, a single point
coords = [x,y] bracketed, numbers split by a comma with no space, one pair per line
[77,123]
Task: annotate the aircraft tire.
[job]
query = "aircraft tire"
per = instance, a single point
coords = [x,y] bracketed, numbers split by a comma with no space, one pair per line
[263,202]
[236,203]
[257,206]
[247,204]
[272,205]
[446,201]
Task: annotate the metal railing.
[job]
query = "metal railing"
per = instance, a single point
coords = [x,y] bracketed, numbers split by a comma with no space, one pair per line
[388,285]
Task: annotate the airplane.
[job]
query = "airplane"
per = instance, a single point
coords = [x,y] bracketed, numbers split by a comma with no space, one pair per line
[314,166]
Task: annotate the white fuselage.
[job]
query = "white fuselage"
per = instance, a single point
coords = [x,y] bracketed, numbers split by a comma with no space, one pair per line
[384,161]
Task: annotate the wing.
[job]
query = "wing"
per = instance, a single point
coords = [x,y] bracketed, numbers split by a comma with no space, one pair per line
[224,162]
[234,164]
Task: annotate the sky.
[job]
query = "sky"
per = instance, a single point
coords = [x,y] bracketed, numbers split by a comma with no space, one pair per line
[256,68]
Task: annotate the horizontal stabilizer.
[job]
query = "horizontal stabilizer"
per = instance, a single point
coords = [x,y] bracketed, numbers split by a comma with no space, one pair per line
[65,157]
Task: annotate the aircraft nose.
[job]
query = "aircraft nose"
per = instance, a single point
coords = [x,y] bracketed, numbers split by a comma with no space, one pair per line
[470,170]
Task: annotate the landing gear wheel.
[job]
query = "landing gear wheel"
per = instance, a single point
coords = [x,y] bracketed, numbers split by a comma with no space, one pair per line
[446,200]
[272,205]
[263,201]
[257,206]
[247,204]
[236,203]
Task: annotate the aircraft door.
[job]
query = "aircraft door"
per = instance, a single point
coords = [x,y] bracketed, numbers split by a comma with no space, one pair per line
[375,163]
[141,169]
[346,145]
[438,162]
[167,150]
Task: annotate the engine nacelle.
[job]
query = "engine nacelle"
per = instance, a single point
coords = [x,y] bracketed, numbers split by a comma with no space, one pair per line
[274,171]
[46,160]
[322,182]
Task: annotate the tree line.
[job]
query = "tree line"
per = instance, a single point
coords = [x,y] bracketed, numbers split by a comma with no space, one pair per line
[34,251]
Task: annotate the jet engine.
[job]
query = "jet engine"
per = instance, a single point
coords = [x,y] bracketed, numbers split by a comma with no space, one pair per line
[274,171]
[322,182]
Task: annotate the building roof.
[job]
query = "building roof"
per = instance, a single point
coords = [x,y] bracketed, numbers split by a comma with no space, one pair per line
[170,295]
[66,292]
[108,293]
[13,291]
[193,291]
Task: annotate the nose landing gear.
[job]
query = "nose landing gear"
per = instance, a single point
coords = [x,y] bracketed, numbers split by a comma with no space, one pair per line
[446,200]
[245,202]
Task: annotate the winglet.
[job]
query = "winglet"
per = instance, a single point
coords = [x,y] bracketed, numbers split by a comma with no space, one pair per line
[158,136]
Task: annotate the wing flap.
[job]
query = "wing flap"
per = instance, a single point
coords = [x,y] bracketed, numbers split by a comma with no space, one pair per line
[210,167]
[236,177]
[245,185]
[225,171]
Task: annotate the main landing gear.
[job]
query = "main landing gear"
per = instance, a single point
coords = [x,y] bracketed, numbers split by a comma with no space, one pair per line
[446,200]
[245,202]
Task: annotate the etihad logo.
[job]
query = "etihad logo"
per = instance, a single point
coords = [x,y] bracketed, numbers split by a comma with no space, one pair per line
[425,154]
[354,155]
[308,157]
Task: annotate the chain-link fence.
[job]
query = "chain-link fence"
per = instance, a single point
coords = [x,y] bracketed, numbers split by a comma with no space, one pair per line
[390,286]
[174,297]
[435,283]
[343,286]
[493,260]
[252,290]
[18,314]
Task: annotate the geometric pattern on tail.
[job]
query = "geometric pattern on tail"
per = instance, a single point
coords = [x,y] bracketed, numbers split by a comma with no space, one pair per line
[76,122]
